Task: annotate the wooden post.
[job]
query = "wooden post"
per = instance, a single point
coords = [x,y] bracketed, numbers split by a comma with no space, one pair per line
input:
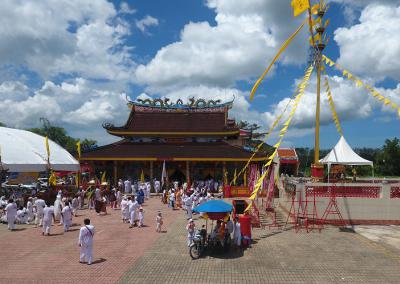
[224,173]
[152,174]
[187,172]
[115,167]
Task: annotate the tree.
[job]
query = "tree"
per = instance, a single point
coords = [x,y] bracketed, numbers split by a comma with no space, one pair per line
[255,138]
[389,160]
[59,135]
[2,124]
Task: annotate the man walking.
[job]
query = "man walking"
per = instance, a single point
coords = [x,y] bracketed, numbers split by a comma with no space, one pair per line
[85,242]
[48,217]
[11,210]
[67,216]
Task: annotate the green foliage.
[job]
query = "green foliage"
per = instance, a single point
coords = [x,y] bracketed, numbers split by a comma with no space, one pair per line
[386,159]
[59,135]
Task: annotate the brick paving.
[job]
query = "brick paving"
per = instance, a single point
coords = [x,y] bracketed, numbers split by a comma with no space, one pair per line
[142,256]
[276,257]
[29,257]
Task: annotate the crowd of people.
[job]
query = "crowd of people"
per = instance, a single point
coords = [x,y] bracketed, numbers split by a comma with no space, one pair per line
[126,196]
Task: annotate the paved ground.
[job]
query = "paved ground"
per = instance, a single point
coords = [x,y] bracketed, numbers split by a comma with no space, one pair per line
[142,256]
[386,235]
[276,257]
[29,257]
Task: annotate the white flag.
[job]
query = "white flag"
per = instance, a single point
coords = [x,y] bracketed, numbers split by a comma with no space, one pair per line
[164,174]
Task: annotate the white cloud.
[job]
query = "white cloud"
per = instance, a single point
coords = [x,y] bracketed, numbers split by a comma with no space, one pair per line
[146,22]
[245,39]
[67,36]
[77,105]
[13,90]
[372,47]
[125,9]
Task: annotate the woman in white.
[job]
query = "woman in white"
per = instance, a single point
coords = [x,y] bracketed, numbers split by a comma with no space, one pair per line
[85,242]
[124,209]
[57,207]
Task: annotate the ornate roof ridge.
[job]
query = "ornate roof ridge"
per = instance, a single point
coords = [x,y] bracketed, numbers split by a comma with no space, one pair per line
[191,104]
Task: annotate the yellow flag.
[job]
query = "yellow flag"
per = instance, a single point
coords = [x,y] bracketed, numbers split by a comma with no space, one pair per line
[299,6]
[234,177]
[78,148]
[47,147]
[245,178]
[314,9]
[248,207]
[103,177]
[142,176]
[52,179]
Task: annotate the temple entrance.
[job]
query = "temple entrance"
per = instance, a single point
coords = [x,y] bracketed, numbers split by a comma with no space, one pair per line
[177,175]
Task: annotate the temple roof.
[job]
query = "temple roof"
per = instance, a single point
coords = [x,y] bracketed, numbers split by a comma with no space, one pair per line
[151,151]
[153,119]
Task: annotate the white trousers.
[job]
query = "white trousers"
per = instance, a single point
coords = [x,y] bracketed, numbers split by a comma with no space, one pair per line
[67,224]
[125,214]
[189,212]
[190,239]
[46,226]
[11,222]
[132,217]
[86,253]
[158,227]
[39,218]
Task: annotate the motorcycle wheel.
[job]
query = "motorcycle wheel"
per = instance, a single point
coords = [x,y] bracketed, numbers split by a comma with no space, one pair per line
[194,252]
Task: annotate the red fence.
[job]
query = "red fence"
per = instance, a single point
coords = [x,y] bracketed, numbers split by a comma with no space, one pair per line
[395,192]
[344,191]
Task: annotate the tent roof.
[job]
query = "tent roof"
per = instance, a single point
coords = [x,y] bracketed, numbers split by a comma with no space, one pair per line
[344,155]
[24,151]
[214,206]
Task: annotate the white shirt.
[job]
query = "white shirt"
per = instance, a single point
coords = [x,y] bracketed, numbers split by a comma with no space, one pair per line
[40,204]
[29,207]
[11,209]
[133,206]
[86,234]
[67,213]
[124,204]
[48,213]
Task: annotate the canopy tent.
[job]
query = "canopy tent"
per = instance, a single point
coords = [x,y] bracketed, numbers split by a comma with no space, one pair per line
[342,154]
[24,151]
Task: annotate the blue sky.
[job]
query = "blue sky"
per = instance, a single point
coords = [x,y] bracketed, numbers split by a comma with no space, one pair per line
[75,62]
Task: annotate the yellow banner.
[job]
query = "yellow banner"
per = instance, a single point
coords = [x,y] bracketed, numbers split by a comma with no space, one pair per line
[78,148]
[359,83]
[283,47]
[47,147]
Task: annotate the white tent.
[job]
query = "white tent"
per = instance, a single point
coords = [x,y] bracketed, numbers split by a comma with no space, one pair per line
[342,154]
[24,151]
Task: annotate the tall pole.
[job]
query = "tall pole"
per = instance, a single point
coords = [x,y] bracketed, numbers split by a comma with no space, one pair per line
[317,168]
[317,110]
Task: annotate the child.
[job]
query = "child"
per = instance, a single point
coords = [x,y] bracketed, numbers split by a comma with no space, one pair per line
[159,222]
[141,217]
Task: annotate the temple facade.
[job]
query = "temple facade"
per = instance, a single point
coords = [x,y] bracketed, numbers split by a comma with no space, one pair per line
[196,140]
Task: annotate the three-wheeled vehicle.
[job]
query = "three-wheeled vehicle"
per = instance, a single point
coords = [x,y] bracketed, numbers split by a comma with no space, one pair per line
[219,238]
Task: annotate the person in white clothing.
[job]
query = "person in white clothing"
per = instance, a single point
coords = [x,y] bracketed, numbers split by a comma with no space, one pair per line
[237,233]
[57,207]
[188,204]
[11,210]
[141,217]
[127,186]
[39,206]
[159,222]
[133,206]
[22,215]
[29,209]
[48,217]
[157,186]
[124,209]
[75,206]
[118,196]
[85,242]
[190,228]
[67,216]
[148,189]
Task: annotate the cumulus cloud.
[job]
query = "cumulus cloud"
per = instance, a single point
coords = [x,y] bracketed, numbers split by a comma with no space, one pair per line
[247,36]
[83,37]
[372,47]
[146,22]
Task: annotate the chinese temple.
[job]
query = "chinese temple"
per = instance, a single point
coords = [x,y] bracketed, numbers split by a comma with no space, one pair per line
[197,141]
